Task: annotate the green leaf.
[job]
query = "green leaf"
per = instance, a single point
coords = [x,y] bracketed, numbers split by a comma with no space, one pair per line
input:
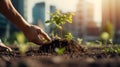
[79,40]
[60,51]
[48,21]
[69,36]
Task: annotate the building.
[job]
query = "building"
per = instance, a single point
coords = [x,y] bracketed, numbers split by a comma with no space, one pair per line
[83,25]
[111,12]
[41,12]
[20,6]
[3,24]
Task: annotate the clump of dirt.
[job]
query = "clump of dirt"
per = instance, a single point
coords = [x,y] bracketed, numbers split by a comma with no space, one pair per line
[69,45]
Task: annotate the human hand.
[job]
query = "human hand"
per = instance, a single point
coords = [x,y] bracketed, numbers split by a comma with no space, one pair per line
[35,34]
[4,47]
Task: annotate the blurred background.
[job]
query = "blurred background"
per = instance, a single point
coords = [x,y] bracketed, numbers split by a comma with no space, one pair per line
[92,17]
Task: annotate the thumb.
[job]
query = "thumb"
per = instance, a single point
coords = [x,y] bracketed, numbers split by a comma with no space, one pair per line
[41,32]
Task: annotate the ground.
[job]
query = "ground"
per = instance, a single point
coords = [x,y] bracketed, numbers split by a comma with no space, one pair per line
[74,56]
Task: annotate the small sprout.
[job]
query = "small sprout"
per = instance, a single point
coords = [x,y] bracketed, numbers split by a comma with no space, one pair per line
[79,40]
[69,36]
[111,41]
[99,42]
[60,51]
[88,43]
[109,50]
[118,50]
[20,37]
[23,48]
[105,36]
[112,50]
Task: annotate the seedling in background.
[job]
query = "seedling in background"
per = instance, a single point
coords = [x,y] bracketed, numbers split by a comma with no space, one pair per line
[112,50]
[79,40]
[111,41]
[105,37]
[109,50]
[60,51]
[69,36]
[99,42]
[23,48]
[58,19]
[90,44]
[21,43]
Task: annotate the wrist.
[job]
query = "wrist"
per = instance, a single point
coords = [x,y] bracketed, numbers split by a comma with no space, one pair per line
[24,27]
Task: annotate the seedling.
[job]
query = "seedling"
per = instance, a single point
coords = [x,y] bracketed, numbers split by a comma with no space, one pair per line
[21,43]
[111,41]
[69,36]
[109,50]
[109,28]
[99,42]
[118,50]
[112,50]
[58,19]
[79,40]
[60,51]
[90,44]
[105,37]
[23,48]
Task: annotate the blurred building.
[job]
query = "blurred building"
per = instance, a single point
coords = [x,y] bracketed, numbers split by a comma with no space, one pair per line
[83,21]
[41,11]
[111,12]
[5,26]
[20,6]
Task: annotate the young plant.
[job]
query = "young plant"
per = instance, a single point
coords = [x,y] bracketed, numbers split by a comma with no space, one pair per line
[109,50]
[105,37]
[60,51]
[23,48]
[111,41]
[21,42]
[118,50]
[69,36]
[109,28]
[79,40]
[58,19]
[99,42]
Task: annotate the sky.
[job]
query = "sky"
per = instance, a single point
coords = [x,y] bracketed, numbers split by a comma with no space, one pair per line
[70,5]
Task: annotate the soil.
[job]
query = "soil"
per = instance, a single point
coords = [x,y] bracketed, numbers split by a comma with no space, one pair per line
[75,55]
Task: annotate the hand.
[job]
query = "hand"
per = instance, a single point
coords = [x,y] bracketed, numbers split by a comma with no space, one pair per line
[4,47]
[34,34]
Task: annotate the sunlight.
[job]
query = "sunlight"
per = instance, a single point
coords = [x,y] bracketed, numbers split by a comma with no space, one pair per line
[98,10]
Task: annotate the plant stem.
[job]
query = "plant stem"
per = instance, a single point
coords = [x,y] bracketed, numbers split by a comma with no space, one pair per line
[105,42]
[61,33]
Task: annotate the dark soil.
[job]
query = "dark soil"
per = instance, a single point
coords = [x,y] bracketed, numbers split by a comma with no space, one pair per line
[74,56]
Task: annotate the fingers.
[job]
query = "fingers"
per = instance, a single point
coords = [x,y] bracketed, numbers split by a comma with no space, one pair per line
[45,36]
[41,32]
[3,46]
[37,40]
[9,49]
[38,34]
